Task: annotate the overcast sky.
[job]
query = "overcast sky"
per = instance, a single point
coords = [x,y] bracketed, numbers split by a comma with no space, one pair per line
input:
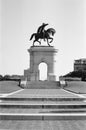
[20,18]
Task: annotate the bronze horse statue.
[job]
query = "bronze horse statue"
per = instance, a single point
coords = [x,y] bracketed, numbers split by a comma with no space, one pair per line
[43,35]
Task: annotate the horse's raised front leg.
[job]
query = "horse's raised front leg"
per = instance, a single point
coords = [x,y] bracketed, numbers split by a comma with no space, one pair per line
[51,39]
[48,42]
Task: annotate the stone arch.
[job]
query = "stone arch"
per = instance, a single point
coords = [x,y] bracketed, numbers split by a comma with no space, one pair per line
[43,71]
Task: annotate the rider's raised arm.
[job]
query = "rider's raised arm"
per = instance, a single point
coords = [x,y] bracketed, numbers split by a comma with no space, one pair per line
[41,28]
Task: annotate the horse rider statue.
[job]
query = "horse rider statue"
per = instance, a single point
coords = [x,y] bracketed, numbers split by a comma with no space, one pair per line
[43,34]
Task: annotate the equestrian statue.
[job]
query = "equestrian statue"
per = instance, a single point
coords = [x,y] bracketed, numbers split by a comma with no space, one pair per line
[43,34]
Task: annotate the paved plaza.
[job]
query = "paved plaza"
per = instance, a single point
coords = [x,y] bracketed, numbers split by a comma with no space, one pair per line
[28,93]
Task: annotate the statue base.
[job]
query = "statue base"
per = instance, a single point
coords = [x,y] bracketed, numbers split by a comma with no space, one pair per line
[39,54]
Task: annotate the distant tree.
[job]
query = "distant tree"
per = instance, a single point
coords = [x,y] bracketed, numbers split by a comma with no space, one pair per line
[78,74]
[1,77]
[6,77]
[83,78]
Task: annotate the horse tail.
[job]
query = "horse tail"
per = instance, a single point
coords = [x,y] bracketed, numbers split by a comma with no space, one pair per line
[32,36]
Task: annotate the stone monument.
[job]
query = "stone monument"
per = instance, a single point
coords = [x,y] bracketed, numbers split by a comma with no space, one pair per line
[41,54]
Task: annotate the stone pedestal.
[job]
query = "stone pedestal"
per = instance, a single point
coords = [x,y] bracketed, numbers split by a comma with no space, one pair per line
[39,54]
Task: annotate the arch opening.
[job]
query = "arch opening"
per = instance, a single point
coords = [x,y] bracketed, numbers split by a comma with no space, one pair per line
[43,71]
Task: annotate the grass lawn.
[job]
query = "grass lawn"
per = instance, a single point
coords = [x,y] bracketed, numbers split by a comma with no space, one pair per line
[76,86]
[8,86]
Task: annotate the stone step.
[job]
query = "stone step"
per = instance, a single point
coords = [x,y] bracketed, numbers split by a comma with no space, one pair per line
[43,102]
[43,116]
[41,110]
[46,106]
[42,99]
[42,85]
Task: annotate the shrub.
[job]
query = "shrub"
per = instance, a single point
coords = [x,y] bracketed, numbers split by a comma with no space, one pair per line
[1,77]
[6,77]
[77,74]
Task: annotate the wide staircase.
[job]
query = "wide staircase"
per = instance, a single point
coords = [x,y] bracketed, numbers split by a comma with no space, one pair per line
[42,105]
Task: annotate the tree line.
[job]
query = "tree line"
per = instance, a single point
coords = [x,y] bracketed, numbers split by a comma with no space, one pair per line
[9,77]
[77,74]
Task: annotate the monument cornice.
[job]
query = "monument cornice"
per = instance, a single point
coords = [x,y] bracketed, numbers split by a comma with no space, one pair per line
[42,49]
